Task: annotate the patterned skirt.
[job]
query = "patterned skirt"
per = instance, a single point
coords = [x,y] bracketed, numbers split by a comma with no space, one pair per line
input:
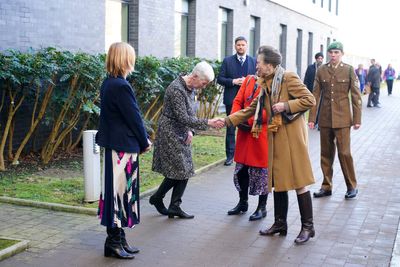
[258,179]
[119,199]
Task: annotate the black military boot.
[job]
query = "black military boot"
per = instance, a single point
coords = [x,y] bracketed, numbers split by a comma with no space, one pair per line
[306,213]
[261,210]
[281,203]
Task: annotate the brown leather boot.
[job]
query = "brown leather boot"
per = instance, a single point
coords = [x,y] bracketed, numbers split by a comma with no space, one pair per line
[306,213]
[281,202]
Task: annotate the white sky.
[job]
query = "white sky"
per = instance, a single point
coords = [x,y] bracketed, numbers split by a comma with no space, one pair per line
[370,28]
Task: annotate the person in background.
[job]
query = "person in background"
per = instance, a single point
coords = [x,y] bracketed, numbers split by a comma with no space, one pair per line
[311,70]
[309,77]
[288,159]
[334,82]
[172,155]
[389,76]
[122,134]
[374,81]
[251,155]
[362,76]
[233,71]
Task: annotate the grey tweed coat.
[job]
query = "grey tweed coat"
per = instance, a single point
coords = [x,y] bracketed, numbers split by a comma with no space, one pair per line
[172,157]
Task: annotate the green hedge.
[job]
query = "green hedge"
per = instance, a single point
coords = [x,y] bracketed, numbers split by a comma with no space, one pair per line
[63,89]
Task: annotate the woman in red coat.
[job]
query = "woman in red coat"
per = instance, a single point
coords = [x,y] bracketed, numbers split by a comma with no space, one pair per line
[251,155]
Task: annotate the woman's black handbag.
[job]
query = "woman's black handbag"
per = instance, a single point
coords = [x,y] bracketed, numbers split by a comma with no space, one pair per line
[289,117]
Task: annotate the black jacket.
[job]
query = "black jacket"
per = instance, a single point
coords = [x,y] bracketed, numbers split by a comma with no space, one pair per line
[121,126]
[310,76]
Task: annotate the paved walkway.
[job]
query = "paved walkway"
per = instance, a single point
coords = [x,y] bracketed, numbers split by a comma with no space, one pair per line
[358,232]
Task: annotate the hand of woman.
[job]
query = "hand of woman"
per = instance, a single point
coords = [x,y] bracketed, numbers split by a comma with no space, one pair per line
[217,123]
[189,138]
[278,107]
[149,147]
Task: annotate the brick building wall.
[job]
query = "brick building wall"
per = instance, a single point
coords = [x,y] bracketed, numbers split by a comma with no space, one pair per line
[156,27]
[67,24]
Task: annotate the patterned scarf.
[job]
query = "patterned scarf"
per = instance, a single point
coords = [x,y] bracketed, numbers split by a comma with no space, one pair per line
[276,119]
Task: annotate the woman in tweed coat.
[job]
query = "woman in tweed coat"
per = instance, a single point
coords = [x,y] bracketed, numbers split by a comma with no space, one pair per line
[172,148]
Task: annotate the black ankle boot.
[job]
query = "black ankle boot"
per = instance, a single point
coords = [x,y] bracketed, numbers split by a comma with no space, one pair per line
[261,210]
[178,212]
[125,244]
[159,204]
[113,245]
[176,200]
[281,203]
[157,198]
[242,206]
[306,213]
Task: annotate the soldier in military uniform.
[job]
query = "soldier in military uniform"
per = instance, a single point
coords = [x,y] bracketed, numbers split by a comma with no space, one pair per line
[333,82]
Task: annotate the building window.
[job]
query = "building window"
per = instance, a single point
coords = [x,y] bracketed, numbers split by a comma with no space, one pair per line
[299,49]
[310,48]
[181,27]
[283,44]
[225,30]
[116,18]
[337,7]
[254,36]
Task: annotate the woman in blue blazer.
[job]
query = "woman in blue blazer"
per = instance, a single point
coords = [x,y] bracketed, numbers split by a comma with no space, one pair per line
[122,134]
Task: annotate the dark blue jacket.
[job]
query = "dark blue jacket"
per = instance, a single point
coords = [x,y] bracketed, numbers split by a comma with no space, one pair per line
[121,126]
[310,76]
[231,69]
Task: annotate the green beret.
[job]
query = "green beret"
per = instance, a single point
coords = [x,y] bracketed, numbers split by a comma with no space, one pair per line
[335,45]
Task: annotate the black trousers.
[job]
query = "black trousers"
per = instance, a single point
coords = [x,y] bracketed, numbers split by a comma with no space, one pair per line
[389,86]
[373,97]
[230,136]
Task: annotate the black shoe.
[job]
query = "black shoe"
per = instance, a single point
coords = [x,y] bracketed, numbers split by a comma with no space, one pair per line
[159,205]
[352,193]
[369,106]
[377,106]
[177,211]
[322,193]
[242,206]
[258,215]
[228,162]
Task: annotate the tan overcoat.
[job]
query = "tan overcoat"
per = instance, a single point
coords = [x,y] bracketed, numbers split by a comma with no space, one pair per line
[289,162]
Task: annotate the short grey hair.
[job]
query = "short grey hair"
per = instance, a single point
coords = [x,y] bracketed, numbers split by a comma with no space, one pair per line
[204,71]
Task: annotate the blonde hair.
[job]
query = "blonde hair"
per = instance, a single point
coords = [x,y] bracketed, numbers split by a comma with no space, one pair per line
[120,60]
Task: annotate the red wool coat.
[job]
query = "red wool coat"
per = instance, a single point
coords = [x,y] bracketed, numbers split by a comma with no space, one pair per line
[250,151]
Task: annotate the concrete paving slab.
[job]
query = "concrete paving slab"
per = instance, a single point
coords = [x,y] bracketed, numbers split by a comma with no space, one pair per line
[357,232]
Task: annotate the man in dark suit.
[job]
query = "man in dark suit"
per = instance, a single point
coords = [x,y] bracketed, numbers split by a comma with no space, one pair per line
[233,71]
[311,70]
[310,75]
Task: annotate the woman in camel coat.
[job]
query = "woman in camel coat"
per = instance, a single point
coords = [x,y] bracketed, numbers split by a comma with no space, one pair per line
[289,162]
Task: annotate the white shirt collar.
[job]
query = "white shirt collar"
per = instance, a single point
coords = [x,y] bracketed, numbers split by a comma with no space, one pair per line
[244,57]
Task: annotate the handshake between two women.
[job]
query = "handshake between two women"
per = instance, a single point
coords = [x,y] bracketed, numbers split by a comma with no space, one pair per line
[217,123]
